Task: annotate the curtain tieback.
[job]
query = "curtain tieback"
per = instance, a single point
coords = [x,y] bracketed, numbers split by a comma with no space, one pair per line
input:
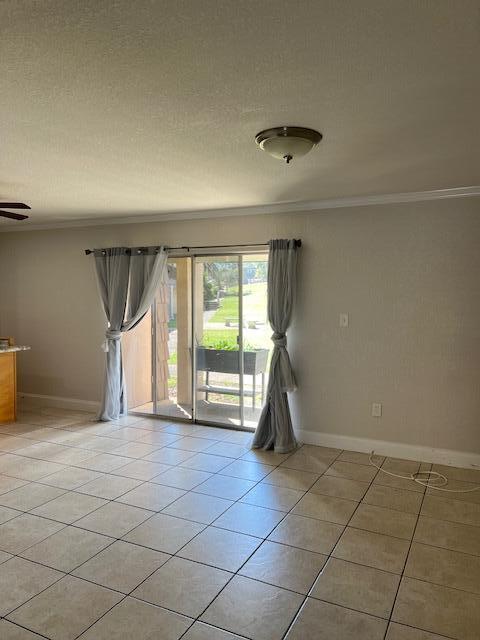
[110,335]
[279,340]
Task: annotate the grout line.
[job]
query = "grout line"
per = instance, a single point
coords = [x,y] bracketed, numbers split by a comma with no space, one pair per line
[406,561]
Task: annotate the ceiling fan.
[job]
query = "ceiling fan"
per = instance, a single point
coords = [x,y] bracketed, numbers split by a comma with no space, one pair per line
[13,205]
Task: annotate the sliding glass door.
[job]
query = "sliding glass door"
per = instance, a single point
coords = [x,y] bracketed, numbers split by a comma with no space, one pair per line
[203,352]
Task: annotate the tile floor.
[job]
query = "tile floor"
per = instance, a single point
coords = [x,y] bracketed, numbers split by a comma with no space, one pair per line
[147,529]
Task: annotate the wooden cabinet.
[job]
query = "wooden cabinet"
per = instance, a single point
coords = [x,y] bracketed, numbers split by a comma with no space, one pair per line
[8,387]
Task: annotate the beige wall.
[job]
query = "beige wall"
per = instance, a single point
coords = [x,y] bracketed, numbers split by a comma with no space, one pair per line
[408,275]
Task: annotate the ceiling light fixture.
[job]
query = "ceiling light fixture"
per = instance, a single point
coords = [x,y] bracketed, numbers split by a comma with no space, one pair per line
[286,143]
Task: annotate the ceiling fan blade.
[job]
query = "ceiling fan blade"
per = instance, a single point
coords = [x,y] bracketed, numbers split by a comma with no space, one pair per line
[14,205]
[13,216]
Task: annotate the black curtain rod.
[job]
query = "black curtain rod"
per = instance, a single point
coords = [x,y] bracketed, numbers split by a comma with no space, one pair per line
[298,243]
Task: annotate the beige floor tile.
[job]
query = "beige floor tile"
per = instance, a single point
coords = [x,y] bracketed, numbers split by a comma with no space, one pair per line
[249,519]
[141,469]
[190,443]
[359,458]
[127,433]
[291,478]
[8,484]
[352,471]
[445,567]
[438,609]
[151,496]
[159,439]
[336,623]
[183,586]
[4,556]
[308,461]
[76,605]
[387,521]
[265,457]
[169,456]
[460,491]
[69,507]
[71,478]
[201,631]
[284,566]
[340,488]
[272,497]
[135,449]
[397,483]
[400,466]
[225,487]
[451,510]
[372,549]
[122,566]
[13,443]
[220,548]
[401,632]
[247,470]
[164,533]
[206,462]
[448,535]
[307,533]
[7,513]
[458,473]
[67,548]
[114,519]
[357,587]
[316,505]
[253,609]
[397,499]
[10,631]
[18,534]
[198,507]
[20,580]
[139,620]
[27,468]
[109,487]
[182,478]
[227,449]
[104,462]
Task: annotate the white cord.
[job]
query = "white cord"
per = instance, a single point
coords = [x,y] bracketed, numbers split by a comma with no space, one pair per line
[429,477]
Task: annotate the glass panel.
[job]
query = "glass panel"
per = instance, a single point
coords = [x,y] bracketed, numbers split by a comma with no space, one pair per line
[256,335]
[173,331]
[217,355]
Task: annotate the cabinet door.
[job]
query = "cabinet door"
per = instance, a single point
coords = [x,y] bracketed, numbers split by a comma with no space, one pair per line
[7,387]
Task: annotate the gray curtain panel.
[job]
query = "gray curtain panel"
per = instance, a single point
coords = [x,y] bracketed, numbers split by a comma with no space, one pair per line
[127,281]
[274,430]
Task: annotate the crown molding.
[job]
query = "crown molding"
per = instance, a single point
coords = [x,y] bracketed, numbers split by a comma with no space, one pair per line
[275,208]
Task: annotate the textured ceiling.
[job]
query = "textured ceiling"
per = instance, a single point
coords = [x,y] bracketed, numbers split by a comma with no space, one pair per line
[140,107]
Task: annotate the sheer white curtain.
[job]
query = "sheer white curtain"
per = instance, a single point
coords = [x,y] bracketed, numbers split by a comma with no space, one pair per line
[275,430]
[127,279]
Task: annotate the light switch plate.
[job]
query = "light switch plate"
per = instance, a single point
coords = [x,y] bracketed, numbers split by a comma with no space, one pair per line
[343,320]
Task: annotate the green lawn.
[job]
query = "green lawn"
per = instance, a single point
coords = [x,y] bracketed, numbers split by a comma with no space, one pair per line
[254,304]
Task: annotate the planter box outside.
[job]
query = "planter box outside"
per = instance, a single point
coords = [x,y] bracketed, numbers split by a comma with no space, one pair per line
[224,361]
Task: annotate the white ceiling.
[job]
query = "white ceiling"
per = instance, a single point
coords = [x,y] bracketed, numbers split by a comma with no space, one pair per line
[140,107]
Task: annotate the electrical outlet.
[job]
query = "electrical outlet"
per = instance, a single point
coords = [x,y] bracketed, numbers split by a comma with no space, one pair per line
[376,410]
[343,320]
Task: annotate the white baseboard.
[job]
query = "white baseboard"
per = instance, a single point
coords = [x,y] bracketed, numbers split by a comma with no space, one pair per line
[392,449]
[56,401]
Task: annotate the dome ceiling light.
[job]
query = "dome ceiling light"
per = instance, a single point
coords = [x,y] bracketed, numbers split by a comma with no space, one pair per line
[287,143]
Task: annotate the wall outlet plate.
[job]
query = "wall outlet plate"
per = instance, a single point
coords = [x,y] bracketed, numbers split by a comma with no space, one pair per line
[376,410]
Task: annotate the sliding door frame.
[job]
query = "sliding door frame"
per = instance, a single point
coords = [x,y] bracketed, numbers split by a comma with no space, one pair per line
[194,254]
